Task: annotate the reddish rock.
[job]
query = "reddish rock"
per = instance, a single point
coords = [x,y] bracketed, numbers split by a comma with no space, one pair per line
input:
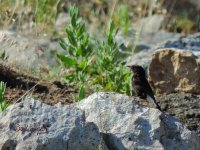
[173,70]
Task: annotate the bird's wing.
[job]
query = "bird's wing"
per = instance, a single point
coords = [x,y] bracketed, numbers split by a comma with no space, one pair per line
[147,88]
[138,87]
[150,95]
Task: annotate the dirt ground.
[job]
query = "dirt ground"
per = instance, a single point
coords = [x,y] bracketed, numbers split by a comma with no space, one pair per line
[20,85]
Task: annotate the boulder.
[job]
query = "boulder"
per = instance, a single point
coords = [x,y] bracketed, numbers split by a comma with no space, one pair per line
[101,121]
[173,70]
[127,125]
[35,125]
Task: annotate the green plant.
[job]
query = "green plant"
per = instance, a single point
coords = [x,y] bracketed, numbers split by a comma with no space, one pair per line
[3,56]
[109,67]
[78,52]
[121,17]
[45,11]
[3,103]
[94,66]
[183,23]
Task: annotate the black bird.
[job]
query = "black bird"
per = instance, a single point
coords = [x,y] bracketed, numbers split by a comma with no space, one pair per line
[141,85]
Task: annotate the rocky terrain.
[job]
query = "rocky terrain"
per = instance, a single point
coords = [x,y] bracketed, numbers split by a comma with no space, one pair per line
[43,113]
[174,74]
[101,121]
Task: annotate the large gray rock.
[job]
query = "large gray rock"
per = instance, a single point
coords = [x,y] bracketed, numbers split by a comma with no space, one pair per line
[121,121]
[34,125]
[127,125]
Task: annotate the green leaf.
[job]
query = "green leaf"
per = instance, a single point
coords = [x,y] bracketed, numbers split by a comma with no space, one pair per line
[2,91]
[112,27]
[63,44]
[74,11]
[66,60]
[73,20]
[3,55]
[80,30]
[108,86]
[110,35]
[110,39]
[71,37]
[71,11]
[81,76]
[98,79]
[82,65]
[71,50]
[70,78]
[81,93]
[79,51]
[3,105]
[85,40]
[74,15]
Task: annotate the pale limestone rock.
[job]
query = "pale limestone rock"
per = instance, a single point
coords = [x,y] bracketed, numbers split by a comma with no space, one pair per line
[34,125]
[127,125]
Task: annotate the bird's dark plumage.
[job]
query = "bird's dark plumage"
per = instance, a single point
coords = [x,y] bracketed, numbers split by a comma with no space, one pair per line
[140,84]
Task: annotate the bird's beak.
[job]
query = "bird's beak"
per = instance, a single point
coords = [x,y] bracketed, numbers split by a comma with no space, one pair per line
[129,66]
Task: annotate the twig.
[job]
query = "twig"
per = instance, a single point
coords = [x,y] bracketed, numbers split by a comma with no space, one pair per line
[26,93]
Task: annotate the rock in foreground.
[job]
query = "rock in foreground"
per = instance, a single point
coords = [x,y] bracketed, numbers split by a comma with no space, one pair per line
[34,125]
[102,121]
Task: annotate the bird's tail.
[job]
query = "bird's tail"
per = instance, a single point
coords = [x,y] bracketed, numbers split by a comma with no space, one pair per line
[151,100]
[158,107]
